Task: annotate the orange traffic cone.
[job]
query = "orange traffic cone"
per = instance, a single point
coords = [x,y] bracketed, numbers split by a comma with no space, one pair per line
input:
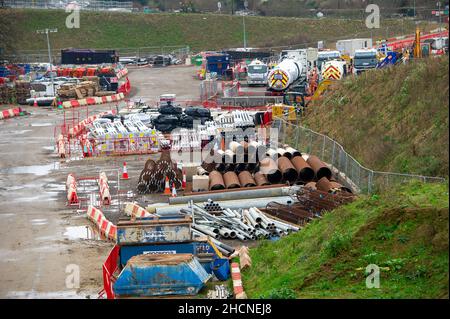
[125,172]
[35,102]
[167,187]
[183,184]
[174,191]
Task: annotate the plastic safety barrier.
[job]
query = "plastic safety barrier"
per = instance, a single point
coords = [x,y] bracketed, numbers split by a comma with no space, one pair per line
[71,186]
[106,228]
[93,100]
[134,210]
[104,189]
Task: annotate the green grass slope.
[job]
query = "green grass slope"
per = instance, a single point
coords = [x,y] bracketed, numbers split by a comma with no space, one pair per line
[395,119]
[404,232]
[199,31]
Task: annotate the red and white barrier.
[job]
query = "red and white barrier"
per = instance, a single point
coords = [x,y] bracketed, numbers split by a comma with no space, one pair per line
[61,146]
[105,196]
[239,292]
[133,210]
[93,100]
[5,114]
[71,186]
[105,227]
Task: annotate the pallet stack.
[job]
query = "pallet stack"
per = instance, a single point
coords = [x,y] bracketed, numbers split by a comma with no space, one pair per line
[78,91]
[22,91]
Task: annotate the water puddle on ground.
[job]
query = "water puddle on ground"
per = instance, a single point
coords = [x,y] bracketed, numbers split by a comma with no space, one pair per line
[39,222]
[82,232]
[41,124]
[38,170]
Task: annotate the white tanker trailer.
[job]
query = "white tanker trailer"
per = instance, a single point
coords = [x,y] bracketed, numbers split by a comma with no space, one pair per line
[284,74]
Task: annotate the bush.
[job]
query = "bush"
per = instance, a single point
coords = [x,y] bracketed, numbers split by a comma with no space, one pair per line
[337,244]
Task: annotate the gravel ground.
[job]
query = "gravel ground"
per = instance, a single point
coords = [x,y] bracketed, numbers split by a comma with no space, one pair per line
[41,238]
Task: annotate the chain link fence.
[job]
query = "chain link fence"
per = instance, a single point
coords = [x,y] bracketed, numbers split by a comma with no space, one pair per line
[348,169]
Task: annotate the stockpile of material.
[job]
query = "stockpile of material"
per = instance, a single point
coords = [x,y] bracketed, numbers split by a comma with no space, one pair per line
[22,91]
[312,203]
[78,91]
[156,175]
[172,117]
[7,94]
[246,224]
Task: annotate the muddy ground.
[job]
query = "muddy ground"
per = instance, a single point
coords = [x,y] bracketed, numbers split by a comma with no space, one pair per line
[41,238]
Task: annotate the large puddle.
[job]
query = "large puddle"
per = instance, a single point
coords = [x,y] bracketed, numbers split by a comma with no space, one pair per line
[39,170]
[82,232]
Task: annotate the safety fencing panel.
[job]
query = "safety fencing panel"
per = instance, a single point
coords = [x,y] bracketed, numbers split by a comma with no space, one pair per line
[363,179]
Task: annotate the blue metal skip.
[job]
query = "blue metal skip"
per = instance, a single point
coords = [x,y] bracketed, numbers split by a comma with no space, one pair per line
[161,274]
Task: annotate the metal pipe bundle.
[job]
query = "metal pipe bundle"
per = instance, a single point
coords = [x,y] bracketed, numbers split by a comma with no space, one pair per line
[305,172]
[216,181]
[319,167]
[269,167]
[287,169]
[231,180]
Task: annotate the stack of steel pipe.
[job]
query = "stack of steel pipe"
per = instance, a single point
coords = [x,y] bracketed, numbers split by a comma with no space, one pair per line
[249,224]
[305,172]
[231,180]
[287,170]
[319,167]
[216,181]
[269,168]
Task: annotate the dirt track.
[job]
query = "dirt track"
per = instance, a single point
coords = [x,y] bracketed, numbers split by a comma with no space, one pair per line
[39,235]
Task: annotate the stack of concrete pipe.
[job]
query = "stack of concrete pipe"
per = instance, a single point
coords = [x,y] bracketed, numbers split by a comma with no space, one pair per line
[246,224]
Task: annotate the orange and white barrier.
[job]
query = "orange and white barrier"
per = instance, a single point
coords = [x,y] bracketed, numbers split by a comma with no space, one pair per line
[106,228]
[104,189]
[239,292]
[71,186]
[134,210]
[93,100]
[5,114]
[61,146]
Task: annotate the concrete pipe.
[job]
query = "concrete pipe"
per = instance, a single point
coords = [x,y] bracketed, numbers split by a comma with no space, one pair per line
[240,167]
[245,146]
[287,169]
[311,185]
[292,151]
[236,147]
[255,152]
[246,179]
[201,171]
[216,181]
[269,167]
[319,167]
[283,152]
[230,157]
[273,154]
[305,172]
[221,167]
[231,180]
[261,179]
[324,185]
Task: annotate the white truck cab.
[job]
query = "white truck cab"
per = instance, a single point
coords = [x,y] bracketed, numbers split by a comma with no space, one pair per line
[257,72]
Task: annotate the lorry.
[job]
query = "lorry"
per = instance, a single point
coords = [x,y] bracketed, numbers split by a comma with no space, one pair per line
[364,59]
[349,46]
[292,71]
[324,56]
[257,72]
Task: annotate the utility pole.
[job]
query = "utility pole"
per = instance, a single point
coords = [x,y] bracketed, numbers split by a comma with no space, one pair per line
[245,35]
[46,32]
